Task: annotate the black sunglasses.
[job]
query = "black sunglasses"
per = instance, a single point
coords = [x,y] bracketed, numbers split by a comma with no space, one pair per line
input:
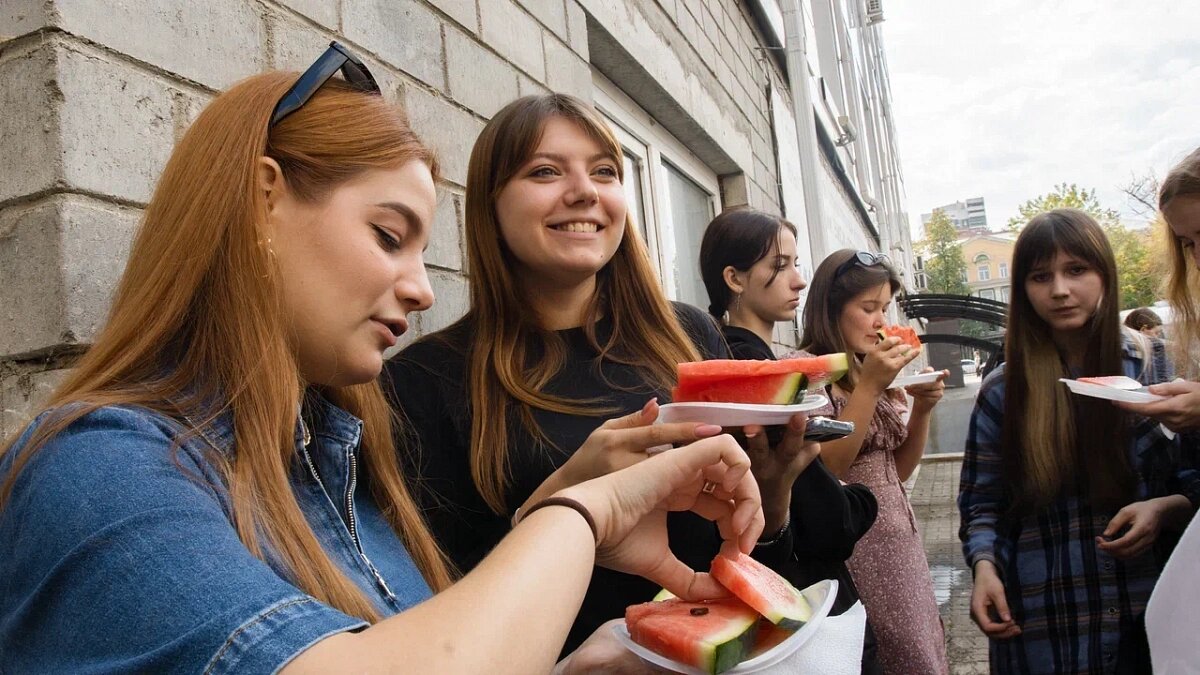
[334,59]
[864,258]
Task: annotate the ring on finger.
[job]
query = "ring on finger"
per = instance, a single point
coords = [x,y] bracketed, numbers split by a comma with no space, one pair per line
[709,486]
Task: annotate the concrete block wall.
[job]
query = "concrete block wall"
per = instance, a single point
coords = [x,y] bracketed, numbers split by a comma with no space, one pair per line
[97,93]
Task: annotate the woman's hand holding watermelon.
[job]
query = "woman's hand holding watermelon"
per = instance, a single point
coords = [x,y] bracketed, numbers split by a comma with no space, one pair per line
[881,365]
[630,509]
[776,468]
[619,443]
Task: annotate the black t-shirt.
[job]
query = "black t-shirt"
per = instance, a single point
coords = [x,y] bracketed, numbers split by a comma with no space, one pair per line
[746,344]
[427,382]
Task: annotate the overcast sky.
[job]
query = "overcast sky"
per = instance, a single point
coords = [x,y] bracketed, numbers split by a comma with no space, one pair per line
[1004,99]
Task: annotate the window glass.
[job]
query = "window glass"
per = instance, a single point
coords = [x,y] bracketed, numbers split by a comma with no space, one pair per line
[633,190]
[985,273]
[691,209]
[1003,270]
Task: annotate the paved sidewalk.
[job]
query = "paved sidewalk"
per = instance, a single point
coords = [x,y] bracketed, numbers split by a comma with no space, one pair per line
[933,500]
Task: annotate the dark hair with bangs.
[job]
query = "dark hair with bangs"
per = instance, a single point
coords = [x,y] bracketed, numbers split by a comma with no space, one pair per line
[737,238]
[1046,452]
[828,296]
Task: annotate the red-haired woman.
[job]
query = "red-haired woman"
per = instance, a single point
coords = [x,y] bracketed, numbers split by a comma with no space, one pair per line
[215,487]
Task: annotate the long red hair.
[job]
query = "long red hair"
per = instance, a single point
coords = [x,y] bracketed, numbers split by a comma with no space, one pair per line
[197,318]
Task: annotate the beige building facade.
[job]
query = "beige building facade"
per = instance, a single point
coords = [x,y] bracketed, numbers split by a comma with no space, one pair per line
[989,265]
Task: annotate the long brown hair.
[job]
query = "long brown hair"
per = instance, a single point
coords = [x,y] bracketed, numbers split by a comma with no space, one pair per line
[828,294]
[1046,450]
[1183,283]
[197,318]
[501,376]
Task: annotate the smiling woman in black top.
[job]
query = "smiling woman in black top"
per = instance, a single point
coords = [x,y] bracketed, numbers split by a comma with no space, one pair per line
[567,327]
[748,261]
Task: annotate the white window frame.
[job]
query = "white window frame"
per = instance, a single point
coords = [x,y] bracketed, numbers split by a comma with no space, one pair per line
[642,136]
[984,272]
[1003,269]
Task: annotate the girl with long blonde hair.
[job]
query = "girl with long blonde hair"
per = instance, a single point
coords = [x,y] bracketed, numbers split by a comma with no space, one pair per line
[567,327]
[215,487]
[1179,203]
[1063,498]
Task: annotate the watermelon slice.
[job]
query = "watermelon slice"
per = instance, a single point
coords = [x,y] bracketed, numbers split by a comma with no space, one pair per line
[763,382]
[1116,381]
[714,635]
[764,590]
[907,335]
[768,637]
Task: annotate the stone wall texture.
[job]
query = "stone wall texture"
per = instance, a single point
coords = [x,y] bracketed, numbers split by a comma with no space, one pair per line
[96,94]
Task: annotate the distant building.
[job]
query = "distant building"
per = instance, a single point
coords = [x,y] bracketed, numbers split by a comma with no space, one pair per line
[967,216]
[989,265]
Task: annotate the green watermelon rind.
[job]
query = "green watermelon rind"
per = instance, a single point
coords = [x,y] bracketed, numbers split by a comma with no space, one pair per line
[792,618]
[838,366]
[732,652]
[721,649]
[790,613]
[792,391]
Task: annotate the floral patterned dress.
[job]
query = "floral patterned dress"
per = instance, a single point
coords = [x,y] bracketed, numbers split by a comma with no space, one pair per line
[889,565]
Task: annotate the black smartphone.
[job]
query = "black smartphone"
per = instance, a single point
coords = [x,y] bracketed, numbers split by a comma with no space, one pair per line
[822,429]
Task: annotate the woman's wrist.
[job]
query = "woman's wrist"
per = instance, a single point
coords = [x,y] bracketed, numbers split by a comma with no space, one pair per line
[565,502]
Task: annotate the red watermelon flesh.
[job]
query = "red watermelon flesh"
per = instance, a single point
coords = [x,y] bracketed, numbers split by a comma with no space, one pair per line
[907,335]
[1117,381]
[760,587]
[714,635]
[762,382]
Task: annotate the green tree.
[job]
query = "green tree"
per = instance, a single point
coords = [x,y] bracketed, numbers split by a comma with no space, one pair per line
[1064,195]
[945,269]
[1132,250]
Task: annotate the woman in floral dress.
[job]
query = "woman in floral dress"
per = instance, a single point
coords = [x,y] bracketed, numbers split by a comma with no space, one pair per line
[846,307]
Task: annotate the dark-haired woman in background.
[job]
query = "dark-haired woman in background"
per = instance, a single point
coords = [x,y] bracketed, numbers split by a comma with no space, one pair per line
[1063,497]
[749,264]
[1145,321]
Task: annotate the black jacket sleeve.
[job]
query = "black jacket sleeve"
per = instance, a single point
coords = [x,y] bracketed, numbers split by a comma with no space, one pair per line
[829,518]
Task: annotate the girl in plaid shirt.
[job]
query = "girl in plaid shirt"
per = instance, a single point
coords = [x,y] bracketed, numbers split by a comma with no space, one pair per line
[1064,499]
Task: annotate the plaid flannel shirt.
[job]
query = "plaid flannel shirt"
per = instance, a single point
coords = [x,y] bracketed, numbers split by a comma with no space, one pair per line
[1078,607]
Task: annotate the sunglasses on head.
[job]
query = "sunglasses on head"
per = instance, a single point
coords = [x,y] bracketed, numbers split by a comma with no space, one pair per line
[334,59]
[864,258]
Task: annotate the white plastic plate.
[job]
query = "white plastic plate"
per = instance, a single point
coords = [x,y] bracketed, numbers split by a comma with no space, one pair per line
[820,597]
[919,378]
[738,414]
[1110,393]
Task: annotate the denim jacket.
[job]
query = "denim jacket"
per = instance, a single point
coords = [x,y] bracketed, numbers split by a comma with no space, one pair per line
[118,550]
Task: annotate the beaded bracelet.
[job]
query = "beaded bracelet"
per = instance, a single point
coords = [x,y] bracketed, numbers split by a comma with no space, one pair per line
[567,502]
[787,522]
